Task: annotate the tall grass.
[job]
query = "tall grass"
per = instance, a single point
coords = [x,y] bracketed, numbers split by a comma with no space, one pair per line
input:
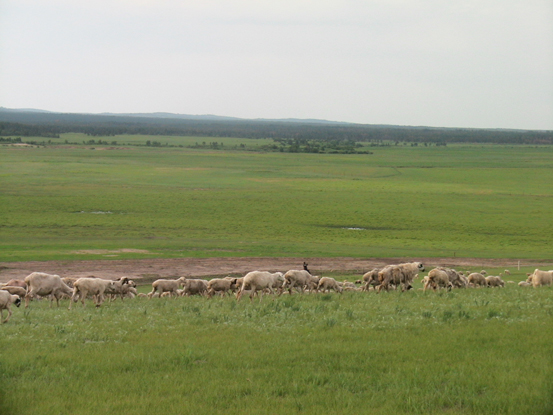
[478,351]
[57,202]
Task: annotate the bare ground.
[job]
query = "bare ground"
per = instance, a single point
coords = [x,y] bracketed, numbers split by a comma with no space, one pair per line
[146,270]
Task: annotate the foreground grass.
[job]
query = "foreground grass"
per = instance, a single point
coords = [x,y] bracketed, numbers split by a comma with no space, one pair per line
[479,351]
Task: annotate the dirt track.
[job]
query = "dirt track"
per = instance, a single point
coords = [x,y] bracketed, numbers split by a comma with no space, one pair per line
[149,269]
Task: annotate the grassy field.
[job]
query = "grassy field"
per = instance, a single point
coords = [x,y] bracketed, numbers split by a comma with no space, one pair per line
[64,202]
[474,351]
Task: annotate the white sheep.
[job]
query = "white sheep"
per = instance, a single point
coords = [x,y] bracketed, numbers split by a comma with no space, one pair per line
[220,286]
[541,278]
[402,274]
[194,286]
[327,283]
[477,279]
[6,300]
[437,278]
[40,283]
[163,285]
[121,288]
[300,280]
[95,287]
[494,281]
[260,280]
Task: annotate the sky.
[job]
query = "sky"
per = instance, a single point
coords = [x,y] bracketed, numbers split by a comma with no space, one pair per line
[441,63]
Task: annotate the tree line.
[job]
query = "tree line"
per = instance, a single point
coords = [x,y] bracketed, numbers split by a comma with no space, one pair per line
[311,135]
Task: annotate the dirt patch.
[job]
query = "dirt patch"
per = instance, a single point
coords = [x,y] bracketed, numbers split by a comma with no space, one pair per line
[148,269]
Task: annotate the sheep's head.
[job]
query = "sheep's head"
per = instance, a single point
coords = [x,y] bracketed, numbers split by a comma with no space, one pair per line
[17,302]
[420,266]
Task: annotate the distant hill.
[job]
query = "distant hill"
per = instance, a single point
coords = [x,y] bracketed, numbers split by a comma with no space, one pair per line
[32,122]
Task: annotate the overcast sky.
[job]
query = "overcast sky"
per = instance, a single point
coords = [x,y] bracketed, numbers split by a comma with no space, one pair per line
[481,63]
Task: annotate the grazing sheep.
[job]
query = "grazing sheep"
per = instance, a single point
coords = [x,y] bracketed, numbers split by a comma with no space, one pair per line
[541,278]
[194,286]
[6,300]
[20,291]
[162,286]
[494,281]
[326,284]
[455,278]
[438,278]
[15,283]
[399,275]
[507,272]
[260,280]
[299,279]
[483,272]
[477,279]
[371,278]
[220,285]
[524,284]
[40,283]
[95,287]
[121,288]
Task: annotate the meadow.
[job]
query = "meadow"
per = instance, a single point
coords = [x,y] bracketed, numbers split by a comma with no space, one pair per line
[471,351]
[69,201]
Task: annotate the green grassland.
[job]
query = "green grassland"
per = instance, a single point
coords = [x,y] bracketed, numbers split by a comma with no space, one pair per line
[473,351]
[469,201]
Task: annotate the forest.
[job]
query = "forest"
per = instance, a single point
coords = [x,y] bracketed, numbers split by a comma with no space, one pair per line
[49,124]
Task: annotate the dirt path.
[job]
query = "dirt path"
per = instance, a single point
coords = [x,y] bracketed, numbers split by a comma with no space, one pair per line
[149,269]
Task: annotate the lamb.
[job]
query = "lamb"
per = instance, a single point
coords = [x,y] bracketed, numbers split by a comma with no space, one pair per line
[541,278]
[348,286]
[477,279]
[162,286]
[299,279]
[494,281]
[326,284]
[220,286]
[40,283]
[91,286]
[193,286]
[438,278]
[260,280]
[524,284]
[6,300]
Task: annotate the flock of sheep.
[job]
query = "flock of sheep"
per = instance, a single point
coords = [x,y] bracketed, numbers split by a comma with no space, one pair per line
[39,284]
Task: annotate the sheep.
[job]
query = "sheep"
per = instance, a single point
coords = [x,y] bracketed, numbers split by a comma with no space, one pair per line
[477,279]
[166,285]
[20,291]
[438,278]
[541,278]
[348,286]
[326,284]
[260,280]
[494,281]
[524,284]
[15,283]
[507,272]
[371,278]
[93,286]
[40,283]
[299,279]
[454,277]
[483,272]
[142,295]
[121,288]
[220,285]
[402,274]
[194,286]
[6,300]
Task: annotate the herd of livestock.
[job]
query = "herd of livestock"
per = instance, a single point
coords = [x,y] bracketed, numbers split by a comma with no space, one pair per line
[400,276]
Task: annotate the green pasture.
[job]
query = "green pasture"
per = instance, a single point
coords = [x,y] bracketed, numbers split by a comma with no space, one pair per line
[86,202]
[472,351]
